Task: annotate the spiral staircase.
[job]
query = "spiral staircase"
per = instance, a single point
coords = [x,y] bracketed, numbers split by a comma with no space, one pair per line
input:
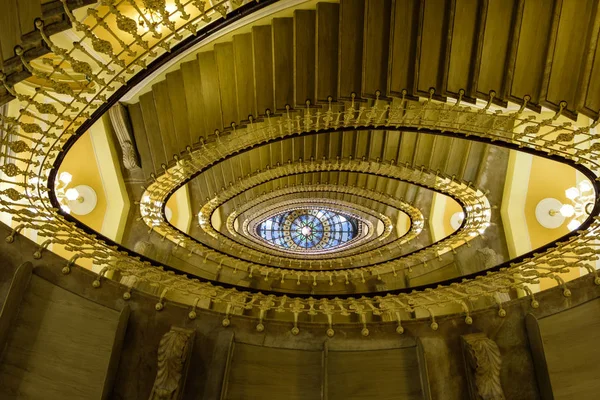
[374,110]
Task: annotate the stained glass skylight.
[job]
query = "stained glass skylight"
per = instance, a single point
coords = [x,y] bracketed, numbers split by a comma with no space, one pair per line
[309,229]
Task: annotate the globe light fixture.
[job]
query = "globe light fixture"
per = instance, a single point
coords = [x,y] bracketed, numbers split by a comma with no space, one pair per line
[457,219]
[551,213]
[79,200]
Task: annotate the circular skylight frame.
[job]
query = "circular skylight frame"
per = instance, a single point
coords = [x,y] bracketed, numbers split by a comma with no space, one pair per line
[287,239]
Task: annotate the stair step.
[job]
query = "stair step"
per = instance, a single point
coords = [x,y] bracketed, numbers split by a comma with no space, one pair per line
[376,42]
[589,86]
[164,115]
[403,39]
[530,61]
[350,48]
[567,60]
[474,160]
[10,36]
[226,68]
[29,10]
[391,145]
[179,109]
[327,41]
[376,144]
[497,41]
[283,62]
[304,57]
[440,153]
[244,77]
[152,128]
[347,146]
[211,93]
[195,102]
[361,144]
[424,149]
[407,147]
[463,48]
[141,138]
[431,49]
[262,50]
[454,163]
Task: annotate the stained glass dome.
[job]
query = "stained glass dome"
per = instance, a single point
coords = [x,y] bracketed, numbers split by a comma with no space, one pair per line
[309,229]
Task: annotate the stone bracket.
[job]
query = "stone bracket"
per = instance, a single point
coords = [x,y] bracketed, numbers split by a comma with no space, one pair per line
[174,351]
[482,365]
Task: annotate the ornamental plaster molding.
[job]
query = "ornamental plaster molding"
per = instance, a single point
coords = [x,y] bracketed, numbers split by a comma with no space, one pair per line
[174,351]
[482,364]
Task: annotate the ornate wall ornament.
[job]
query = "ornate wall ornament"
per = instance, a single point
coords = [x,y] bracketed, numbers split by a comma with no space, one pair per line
[120,122]
[173,357]
[482,364]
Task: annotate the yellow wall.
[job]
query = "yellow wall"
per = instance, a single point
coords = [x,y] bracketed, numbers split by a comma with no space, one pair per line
[548,179]
[80,162]
[452,207]
[442,209]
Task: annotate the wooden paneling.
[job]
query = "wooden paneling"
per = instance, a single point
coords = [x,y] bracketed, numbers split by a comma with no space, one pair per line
[225,66]
[62,346]
[432,47]
[497,38]
[179,109]
[569,59]
[164,114]
[327,38]
[381,374]
[211,95]
[351,32]
[262,50]
[570,349]
[141,139]
[403,40]
[244,79]
[12,302]
[152,127]
[259,373]
[463,46]
[532,49]
[304,56]
[283,62]
[376,43]
[195,103]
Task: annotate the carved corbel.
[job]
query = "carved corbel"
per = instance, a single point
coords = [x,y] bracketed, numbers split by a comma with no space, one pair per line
[174,353]
[482,364]
[122,127]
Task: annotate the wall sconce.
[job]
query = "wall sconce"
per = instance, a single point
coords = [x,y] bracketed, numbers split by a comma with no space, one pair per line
[457,219]
[551,213]
[79,200]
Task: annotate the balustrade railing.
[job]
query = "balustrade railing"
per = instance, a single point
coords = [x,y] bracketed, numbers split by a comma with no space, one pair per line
[113,48]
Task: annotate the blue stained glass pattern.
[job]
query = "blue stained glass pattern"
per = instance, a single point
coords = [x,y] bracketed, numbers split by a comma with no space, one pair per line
[308,229]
